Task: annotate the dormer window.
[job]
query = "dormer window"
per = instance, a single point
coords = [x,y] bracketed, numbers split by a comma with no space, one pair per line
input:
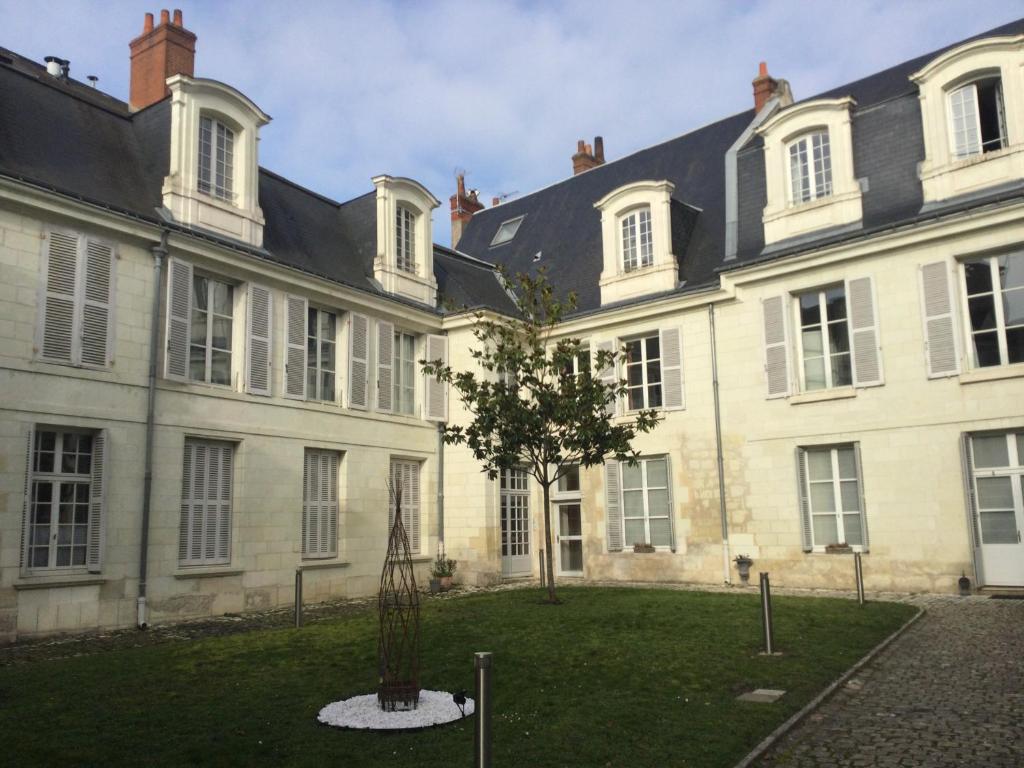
[978,117]
[637,241]
[810,167]
[507,231]
[405,239]
[216,158]
[404,261]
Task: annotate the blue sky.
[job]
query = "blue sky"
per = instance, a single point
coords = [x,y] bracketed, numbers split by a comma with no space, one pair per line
[501,90]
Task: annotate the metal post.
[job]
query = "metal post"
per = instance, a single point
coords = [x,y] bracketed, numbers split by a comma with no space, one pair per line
[858,569]
[482,664]
[766,614]
[543,570]
[298,598]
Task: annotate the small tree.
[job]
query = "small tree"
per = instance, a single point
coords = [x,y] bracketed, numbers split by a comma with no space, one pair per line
[535,409]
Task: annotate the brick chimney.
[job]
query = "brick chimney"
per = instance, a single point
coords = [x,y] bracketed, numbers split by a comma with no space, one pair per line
[587,157]
[464,205]
[764,87]
[157,54]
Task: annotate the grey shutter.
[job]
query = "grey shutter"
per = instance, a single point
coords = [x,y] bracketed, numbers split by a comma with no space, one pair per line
[613,505]
[672,369]
[805,505]
[671,504]
[395,489]
[941,353]
[26,508]
[320,504]
[296,314]
[98,501]
[332,505]
[221,492]
[257,359]
[57,319]
[205,535]
[436,401]
[412,506]
[98,306]
[179,319]
[863,507]
[188,521]
[974,524]
[358,360]
[607,377]
[864,335]
[385,359]
[776,346]
[309,508]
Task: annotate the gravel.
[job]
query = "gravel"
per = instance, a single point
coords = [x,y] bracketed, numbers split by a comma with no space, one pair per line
[364,713]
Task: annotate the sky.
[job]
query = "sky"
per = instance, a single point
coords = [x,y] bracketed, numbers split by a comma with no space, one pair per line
[499,90]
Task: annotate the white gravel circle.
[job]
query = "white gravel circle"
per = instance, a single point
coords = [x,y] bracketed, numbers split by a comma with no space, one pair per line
[363,712]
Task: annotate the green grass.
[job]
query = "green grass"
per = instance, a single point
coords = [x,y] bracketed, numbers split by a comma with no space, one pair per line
[612,677]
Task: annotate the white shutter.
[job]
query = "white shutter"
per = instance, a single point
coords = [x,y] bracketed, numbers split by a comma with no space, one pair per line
[179,319]
[358,360]
[672,369]
[385,358]
[435,406]
[613,505]
[941,353]
[320,504]
[864,336]
[98,501]
[205,535]
[258,331]
[863,507]
[98,306]
[329,525]
[412,507]
[967,468]
[57,337]
[310,528]
[671,505]
[805,506]
[26,508]
[221,493]
[296,314]
[776,346]
[607,377]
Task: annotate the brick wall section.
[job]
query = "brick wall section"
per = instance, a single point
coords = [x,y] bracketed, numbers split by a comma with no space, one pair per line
[156,55]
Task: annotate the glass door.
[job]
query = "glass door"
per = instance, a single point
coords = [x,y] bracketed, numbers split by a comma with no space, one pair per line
[570,539]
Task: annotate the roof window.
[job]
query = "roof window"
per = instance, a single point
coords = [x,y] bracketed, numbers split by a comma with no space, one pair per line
[507,230]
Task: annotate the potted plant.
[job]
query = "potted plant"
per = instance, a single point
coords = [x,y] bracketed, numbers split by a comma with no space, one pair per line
[641,546]
[842,548]
[443,569]
[743,563]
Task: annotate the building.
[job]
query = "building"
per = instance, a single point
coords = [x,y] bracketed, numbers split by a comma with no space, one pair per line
[210,372]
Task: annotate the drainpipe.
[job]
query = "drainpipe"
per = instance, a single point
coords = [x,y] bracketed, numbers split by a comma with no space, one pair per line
[440,484]
[723,512]
[159,255]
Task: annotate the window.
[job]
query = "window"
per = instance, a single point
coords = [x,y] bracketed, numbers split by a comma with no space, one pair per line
[321,343]
[643,373]
[832,498]
[205,535]
[405,485]
[210,349]
[404,373]
[507,231]
[579,363]
[978,117]
[637,241]
[810,167]
[216,158]
[995,305]
[645,504]
[514,487]
[320,504]
[825,339]
[405,239]
[570,481]
[998,474]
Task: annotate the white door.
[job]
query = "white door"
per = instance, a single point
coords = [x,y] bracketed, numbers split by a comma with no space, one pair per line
[515,523]
[997,468]
[570,539]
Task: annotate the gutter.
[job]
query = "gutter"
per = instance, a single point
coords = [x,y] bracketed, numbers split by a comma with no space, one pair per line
[722,510]
[732,204]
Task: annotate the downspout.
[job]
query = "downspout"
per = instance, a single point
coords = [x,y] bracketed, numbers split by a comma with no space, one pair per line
[722,510]
[440,485]
[159,254]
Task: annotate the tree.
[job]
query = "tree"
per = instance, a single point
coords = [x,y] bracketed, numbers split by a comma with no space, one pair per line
[532,408]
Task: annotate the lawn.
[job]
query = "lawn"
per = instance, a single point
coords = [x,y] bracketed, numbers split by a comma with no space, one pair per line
[612,677]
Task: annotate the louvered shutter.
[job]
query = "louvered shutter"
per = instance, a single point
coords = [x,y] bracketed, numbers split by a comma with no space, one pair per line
[805,505]
[967,462]
[436,401]
[864,335]
[393,490]
[257,360]
[98,501]
[179,319]
[205,535]
[776,346]
[98,306]
[865,545]
[358,360]
[671,505]
[412,507]
[941,353]
[296,314]
[57,322]
[310,527]
[221,487]
[329,528]
[188,522]
[320,504]
[672,369]
[26,504]
[385,360]
[607,377]
[613,505]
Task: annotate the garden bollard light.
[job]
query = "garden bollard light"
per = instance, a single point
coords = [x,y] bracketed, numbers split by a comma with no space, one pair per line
[482,664]
[766,615]
[858,569]
[298,598]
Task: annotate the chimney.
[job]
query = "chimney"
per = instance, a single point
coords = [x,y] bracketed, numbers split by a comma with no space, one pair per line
[495,202]
[587,157]
[764,87]
[464,205]
[157,54]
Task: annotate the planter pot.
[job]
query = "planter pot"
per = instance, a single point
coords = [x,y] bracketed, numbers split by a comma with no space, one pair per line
[743,566]
[643,548]
[435,586]
[446,583]
[838,549]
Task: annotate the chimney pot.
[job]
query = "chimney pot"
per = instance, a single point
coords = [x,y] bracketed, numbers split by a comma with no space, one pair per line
[463,207]
[165,17]
[762,69]
[177,18]
[764,87]
[147,25]
[599,149]
[580,146]
[495,202]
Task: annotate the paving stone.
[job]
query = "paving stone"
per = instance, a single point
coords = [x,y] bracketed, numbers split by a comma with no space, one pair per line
[762,696]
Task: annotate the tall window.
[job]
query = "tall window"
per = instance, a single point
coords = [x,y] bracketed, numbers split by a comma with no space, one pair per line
[210,348]
[637,242]
[579,363]
[320,504]
[405,481]
[643,373]
[514,486]
[832,493]
[825,339]
[995,305]
[216,158]
[321,343]
[978,117]
[205,535]
[60,484]
[998,474]
[404,372]
[645,504]
[405,239]
[810,167]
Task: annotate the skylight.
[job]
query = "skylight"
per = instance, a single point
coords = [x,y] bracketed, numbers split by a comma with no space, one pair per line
[507,230]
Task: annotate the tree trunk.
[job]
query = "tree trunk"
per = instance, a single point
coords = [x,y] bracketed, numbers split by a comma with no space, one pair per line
[549,555]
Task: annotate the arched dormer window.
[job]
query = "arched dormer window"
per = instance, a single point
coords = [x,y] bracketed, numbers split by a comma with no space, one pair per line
[977,117]
[216,158]
[404,262]
[405,239]
[637,239]
[810,167]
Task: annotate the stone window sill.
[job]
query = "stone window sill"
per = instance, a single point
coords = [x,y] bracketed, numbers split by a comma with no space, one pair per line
[994,373]
[207,573]
[318,565]
[56,582]
[817,396]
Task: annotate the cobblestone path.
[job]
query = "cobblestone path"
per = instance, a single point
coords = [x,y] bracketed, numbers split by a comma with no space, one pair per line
[949,692]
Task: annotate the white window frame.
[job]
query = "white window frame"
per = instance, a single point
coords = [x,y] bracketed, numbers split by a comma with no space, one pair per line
[645,386]
[400,386]
[514,494]
[563,494]
[507,231]
[966,124]
[215,157]
[824,324]
[996,293]
[1013,469]
[314,504]
[316,363]
[208,343]
[816,149]
[405,238]
[645,489]
[636,239]
[836,481]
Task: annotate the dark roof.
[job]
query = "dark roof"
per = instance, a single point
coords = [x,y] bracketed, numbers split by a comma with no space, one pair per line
[467,283]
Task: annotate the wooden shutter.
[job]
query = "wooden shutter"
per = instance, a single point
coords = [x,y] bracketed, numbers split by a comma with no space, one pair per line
[411,506]
[221,457]
[57,323]
[205,536]
[613,505]
[26,504]
[320,504]
[296,314]
[805,505]
[332,505]
[776,346]
[607,377]
[98,501]
[258,332]
[385,359]
[940,351]
[864,335]
[435,406]
[310,507]
[967,462]
[863,508]
[188,517]
[672,369]
[98,305]
[358,360]
[671,504]
[179,319]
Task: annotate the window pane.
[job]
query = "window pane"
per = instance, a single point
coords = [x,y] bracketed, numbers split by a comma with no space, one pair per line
[654,396]
[847,462]
[851,529]
[654,372]
[199,298]
[819,464]
[838,338]
[326,386]
[635,532]
[982,310]
[986,349]
[633,503]
[199,327]
[311,380]
[822,497]
[661,532]
[1015,345]
[657,503]
[1011,270]
[631,477]
[311,322]
[1013,307]
[570,481]
[978,276]
[990,451]
[998,528]
[220,368]
[653,347]
[814,373]
[221,338]
[825,530]
[842,372]
[636,399]
[657,473]
[995,493]
[327,320]
[813,344]
[851,495]
[810,311]
[221,298]
[327,356]
[633,350]
[835,303]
